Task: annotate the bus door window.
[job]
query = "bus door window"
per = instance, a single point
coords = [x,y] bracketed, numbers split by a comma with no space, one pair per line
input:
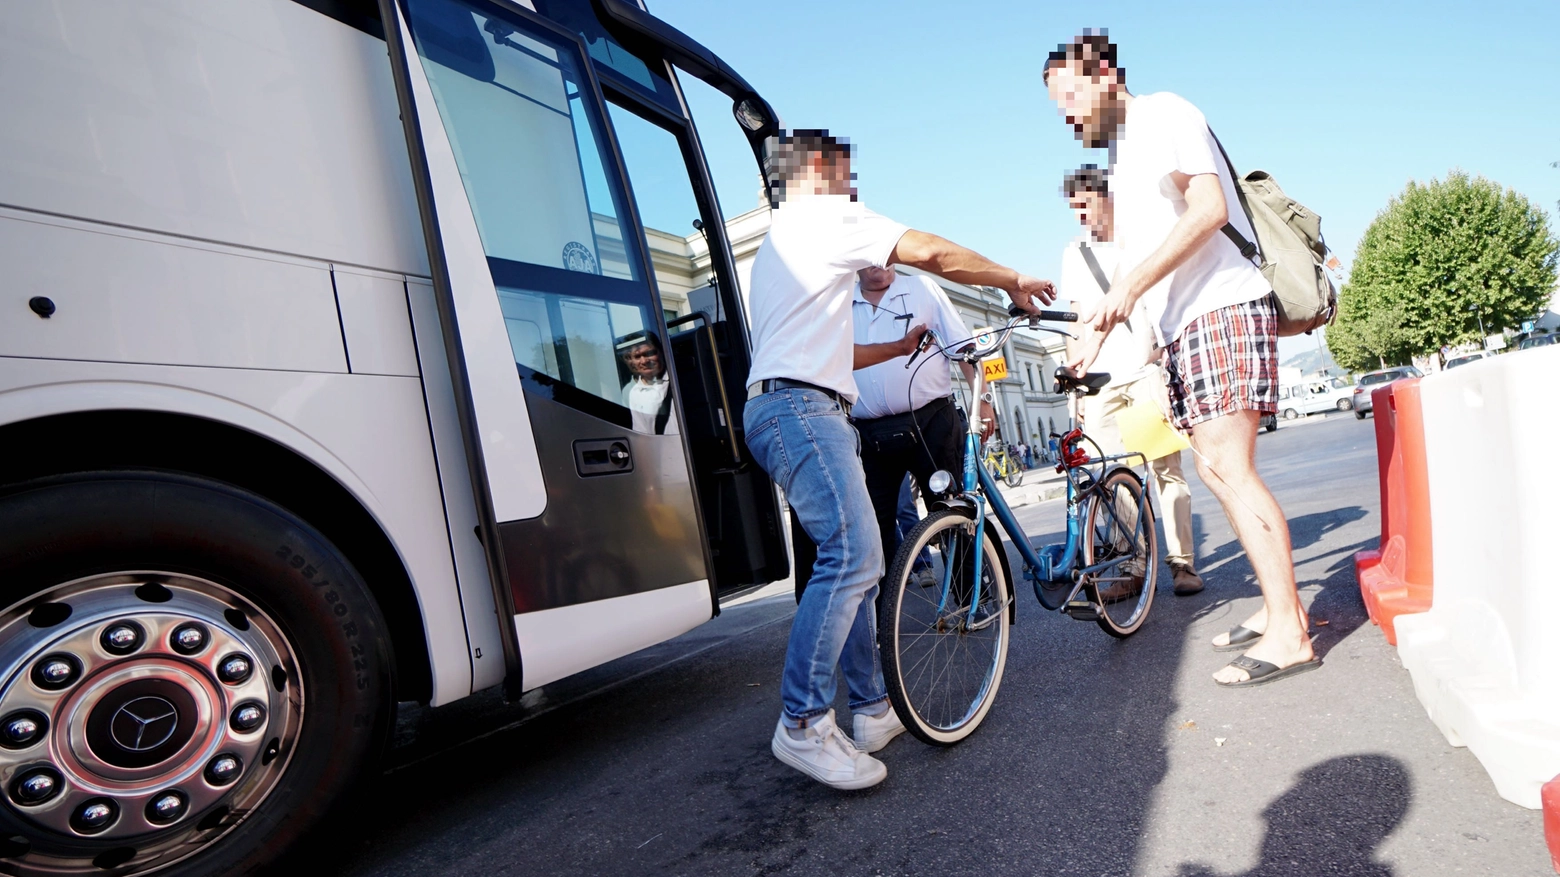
[529,142]
[668,208]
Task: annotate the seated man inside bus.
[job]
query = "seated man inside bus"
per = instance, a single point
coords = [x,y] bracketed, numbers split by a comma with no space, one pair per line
[800,391]
[648,392]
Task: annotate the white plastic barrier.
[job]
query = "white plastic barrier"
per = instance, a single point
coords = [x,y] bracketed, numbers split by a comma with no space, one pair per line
[1486,658]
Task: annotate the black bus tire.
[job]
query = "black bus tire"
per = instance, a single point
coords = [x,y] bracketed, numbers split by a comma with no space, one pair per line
[134,544]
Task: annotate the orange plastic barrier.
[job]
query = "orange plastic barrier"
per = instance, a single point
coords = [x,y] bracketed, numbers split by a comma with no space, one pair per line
[1396,579]
[1552,820]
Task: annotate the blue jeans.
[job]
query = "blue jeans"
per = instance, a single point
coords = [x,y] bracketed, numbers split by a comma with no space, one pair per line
[802,439]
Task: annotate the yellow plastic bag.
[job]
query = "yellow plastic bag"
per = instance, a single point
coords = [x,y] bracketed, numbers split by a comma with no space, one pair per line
[1145,430]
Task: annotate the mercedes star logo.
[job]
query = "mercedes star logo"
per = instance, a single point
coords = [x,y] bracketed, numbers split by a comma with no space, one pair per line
[144,723]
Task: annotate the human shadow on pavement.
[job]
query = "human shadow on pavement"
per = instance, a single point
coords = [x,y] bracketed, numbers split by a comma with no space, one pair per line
[1304,531]
[1332,821]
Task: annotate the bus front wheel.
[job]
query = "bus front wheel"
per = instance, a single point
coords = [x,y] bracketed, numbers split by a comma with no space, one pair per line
[189,676]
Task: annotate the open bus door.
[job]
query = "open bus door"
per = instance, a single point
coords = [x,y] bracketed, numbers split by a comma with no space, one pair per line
[616,498]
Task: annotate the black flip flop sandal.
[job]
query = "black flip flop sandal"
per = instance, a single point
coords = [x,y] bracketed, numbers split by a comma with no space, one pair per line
[1240,638]
[1262,672]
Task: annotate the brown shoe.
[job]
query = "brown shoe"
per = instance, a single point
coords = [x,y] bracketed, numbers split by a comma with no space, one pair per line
[1187,581]
[1115,592]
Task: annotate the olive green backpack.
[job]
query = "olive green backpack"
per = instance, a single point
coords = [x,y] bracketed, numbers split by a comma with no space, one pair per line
[1289,250]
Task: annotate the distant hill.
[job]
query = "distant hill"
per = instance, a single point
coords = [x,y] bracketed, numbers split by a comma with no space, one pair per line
[1313,361]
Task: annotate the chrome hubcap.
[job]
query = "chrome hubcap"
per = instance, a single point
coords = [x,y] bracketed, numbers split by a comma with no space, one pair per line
[136,719]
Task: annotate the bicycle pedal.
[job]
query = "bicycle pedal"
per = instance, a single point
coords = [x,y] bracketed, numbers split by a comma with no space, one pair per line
[1082,610]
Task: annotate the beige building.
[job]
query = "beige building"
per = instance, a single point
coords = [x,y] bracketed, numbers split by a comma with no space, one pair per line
[1026,409]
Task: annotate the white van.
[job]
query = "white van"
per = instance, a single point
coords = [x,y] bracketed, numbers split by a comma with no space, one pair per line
[1314,396]
[335,372]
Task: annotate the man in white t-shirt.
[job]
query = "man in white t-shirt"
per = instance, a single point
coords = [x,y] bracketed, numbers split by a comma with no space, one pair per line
[1125,354]
[800,390]
[1211,310]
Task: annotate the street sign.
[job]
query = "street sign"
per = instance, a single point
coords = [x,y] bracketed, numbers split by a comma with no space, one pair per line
[1527,325]
[1495,342]
[994,368]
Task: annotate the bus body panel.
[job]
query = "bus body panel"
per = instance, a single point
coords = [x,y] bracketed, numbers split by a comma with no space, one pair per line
[559,642]
[124,296]
[368,432]
[460,507]
[261,123]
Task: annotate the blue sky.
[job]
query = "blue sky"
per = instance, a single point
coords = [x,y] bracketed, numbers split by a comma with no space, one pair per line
[1343,102]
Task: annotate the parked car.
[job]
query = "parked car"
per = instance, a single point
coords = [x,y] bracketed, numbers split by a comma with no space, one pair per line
[1466,358]
[1538,341]
[1312,397]
[1369,381]
[1269,422]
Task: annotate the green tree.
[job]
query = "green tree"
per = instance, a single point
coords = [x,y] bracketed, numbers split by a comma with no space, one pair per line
[1375,340]
[1443,257]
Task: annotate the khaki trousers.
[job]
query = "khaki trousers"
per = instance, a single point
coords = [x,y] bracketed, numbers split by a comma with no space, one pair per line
[1175,497]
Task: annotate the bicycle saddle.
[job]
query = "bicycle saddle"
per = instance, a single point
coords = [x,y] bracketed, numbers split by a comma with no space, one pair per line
[1090,382]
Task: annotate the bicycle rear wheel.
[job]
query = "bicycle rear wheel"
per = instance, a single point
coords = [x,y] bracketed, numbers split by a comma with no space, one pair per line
[941,668]
[1120,526]
[1014,474]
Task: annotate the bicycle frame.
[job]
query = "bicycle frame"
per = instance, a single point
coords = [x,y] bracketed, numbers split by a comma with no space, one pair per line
[980,489]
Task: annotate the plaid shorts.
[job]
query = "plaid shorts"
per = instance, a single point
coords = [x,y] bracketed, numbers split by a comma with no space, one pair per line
[1225,361]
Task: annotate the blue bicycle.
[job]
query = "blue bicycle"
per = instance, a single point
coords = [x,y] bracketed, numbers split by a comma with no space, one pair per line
[944,638]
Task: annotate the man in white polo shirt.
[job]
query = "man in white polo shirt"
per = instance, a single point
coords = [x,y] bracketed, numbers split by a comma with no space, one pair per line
[1211,310]
[800,390]
[1087,265]
[906,416]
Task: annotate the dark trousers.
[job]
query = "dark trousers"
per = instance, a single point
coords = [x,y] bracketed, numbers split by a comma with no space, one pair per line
[891,447]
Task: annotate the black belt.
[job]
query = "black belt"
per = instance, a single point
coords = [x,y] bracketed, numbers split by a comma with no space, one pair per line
[774,384]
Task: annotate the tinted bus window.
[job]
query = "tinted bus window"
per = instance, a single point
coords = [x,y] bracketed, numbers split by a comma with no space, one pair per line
[527,134]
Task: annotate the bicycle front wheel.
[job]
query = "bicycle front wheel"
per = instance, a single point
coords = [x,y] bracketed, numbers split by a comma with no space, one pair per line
[943,660]
[1120,527]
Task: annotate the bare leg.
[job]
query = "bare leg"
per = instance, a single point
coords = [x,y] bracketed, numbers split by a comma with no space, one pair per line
[1226,461]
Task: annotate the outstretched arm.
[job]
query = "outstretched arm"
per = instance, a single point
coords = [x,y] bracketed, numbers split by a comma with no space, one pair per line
[945,258]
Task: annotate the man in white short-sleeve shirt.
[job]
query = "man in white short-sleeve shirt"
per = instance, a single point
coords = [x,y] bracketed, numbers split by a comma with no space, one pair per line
[906,416]
[1211,310]
[1087,266]
[800,389]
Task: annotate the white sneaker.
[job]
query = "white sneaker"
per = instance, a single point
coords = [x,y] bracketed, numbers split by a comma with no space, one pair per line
[827,756]
[874,732]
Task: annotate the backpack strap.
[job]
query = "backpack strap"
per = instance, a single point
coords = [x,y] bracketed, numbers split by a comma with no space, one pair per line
[1094,266]
[1248,249]
[1099,273]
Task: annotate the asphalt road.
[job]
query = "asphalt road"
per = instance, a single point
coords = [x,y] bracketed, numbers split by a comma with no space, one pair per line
[1100,758]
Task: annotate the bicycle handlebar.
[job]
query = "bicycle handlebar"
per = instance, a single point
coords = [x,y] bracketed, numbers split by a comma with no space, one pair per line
[1052,316]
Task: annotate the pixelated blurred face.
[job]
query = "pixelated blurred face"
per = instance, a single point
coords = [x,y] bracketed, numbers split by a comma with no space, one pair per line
[834,172]
[1086,100]
[1093,211]
[875,279]
[644,361]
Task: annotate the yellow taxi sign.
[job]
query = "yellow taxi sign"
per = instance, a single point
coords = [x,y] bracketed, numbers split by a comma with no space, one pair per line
[994,368]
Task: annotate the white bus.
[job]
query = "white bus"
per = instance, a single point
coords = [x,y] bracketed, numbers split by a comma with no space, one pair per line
[334,372]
